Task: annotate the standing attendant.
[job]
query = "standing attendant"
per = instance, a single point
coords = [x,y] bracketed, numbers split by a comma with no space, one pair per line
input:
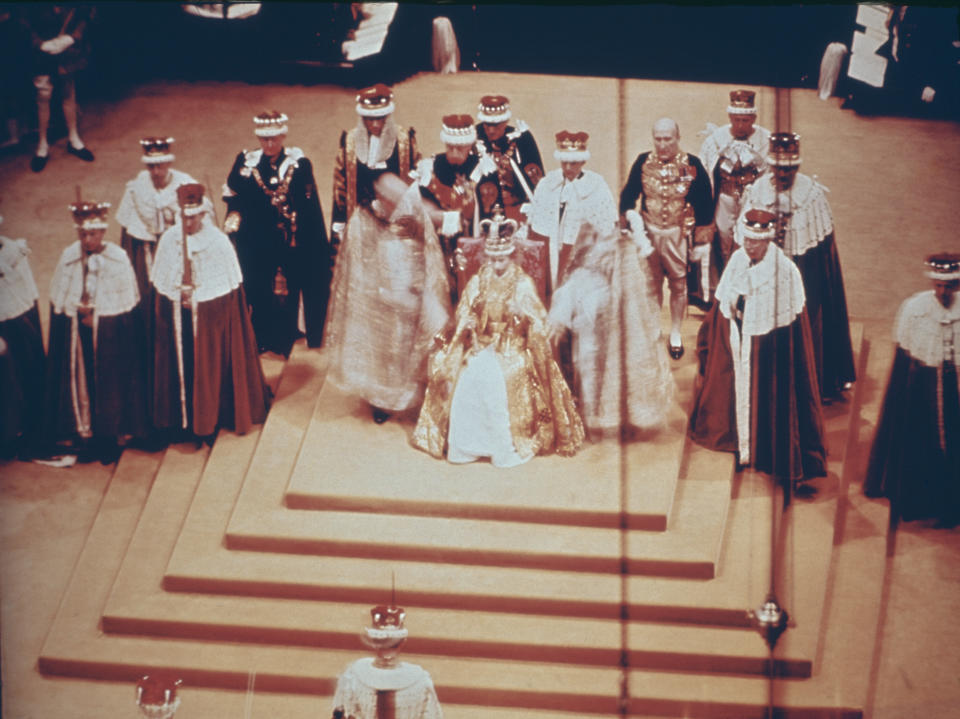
[915,459]
[96,369]
[276,223]
[668,198]
[22,359]
[206,370]
[568,198]
[509,157]
[734,156]
[757,394]
[805,232]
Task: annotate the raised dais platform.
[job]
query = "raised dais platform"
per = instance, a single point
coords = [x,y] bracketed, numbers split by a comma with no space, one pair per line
[293,616]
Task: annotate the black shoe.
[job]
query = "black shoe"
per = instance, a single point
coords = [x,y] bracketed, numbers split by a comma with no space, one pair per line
[700,304]
[83,153]
[38,162]
[380,416]
[675,352]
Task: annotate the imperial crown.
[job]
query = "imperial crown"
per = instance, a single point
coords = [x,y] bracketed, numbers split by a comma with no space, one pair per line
[498,233]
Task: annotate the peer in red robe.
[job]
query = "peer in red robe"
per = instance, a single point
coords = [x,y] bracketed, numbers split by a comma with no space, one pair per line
[206,369]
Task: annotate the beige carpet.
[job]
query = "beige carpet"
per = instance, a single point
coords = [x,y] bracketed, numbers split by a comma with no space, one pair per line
[893,192]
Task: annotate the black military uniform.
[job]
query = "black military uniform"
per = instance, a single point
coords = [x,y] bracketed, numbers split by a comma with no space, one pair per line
[516,164]
[276,223]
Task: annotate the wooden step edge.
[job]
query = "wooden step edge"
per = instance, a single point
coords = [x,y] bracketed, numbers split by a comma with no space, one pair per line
[654,660]
[652,521]
[709,616]
[676,568]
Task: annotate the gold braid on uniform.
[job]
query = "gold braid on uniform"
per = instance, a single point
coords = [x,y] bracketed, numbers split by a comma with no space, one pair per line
[280,198]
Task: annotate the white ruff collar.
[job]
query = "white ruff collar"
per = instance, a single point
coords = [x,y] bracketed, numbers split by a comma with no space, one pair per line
[18,291]
[773,291]
[146,212]
[110,281]
[388,140]
[292,155]
[923,324]
[806,203]
[720,142]
[214,267]
[400,677]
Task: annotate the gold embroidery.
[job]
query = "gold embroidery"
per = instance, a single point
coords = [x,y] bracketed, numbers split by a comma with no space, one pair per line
[280,199]
[665,187]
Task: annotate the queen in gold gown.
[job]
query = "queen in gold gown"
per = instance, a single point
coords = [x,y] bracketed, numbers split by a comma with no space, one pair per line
[494,389]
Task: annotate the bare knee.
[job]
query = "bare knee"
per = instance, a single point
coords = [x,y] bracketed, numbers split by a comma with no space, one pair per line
[44,86]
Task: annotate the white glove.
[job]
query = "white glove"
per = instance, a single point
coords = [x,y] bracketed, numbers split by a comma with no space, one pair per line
[451,223]
[56,45]
[486,166]
[699,252]
[927,94]
[638,233]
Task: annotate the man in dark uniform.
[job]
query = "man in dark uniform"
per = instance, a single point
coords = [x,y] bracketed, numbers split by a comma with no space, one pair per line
[509,154]
[375,146]
[668,196]
[276,223]
[450,181]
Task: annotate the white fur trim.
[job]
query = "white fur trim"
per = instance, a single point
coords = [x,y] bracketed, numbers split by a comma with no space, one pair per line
[458,139]
[376,111]
[771,159]
[18,291]
[214,263]
[191,211]
[944,276]
[774,297]
[157,159]
[731,110]
[270,131]
[110,281]
[811,219]
[494,119]
[922,323]
[571,155]
[92,225]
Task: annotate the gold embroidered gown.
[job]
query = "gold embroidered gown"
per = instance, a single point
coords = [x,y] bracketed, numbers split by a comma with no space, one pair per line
[494,389]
